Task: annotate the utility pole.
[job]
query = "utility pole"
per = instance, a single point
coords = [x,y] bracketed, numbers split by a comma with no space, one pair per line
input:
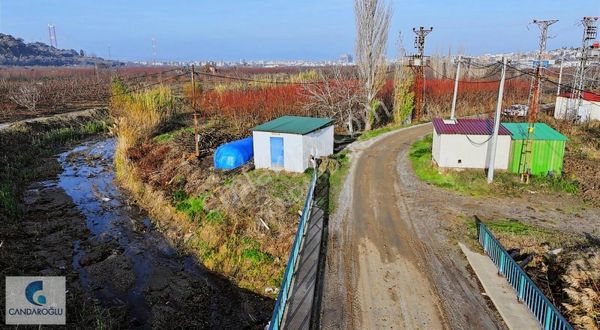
[590,31]
[417,62]
[527,147]
[535,97]
[453,111]
[196,130]
[562,61]
[494,141]
[96,71]
[153,51]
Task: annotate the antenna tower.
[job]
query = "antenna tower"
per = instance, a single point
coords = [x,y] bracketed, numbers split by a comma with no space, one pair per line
[154,51]
[52,35]
[590,30]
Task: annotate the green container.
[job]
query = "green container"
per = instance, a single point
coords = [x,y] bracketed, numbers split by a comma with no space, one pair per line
[547,152]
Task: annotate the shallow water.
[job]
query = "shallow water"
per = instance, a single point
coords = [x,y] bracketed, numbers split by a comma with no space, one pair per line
[127,263]
[88,178]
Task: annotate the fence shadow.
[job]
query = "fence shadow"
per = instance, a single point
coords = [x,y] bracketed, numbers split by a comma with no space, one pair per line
[303,311]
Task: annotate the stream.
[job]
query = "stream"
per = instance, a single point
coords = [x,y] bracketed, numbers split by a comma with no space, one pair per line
[124,262]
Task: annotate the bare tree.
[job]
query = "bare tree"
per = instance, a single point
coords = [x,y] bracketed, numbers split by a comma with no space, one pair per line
[26,96]
[372,25]
[335,95]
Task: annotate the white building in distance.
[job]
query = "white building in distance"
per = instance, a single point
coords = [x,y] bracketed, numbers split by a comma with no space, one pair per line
[567,107]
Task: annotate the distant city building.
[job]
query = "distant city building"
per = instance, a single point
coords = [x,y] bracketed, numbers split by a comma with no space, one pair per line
[346,59]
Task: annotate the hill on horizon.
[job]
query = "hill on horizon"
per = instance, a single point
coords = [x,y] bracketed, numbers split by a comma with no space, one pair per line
[16,52]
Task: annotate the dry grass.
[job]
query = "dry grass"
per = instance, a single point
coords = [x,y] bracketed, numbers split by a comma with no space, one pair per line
[582,156]
[583,290]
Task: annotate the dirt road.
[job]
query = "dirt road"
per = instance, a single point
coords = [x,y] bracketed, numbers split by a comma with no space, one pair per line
[389,266]
[88,113]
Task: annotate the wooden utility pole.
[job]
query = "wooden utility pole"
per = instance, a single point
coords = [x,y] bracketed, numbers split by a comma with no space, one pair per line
[494,140]
[196,130]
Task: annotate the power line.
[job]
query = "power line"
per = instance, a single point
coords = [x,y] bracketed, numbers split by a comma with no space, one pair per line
[145,75]
[129,91]
[214,75]
[553,82]
[475,81]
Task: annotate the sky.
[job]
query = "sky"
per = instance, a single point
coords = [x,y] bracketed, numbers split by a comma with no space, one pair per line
[232,30]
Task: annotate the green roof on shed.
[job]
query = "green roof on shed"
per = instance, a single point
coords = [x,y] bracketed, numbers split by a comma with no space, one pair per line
[541,131]
[294,125]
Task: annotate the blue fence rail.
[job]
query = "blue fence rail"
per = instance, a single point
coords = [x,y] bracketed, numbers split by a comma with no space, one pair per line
[284,291]
[527,292]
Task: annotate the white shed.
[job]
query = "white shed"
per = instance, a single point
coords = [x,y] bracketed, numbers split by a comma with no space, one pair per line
[288,142]
[567,107]
[465,143]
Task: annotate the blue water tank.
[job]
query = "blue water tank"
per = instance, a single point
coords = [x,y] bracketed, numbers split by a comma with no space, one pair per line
[234,154]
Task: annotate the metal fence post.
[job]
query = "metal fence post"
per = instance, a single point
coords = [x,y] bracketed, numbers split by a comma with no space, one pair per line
[521,287]
[501,268]
[548,318]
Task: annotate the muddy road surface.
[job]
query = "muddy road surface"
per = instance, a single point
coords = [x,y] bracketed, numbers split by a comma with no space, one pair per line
[112,253]
[389,264]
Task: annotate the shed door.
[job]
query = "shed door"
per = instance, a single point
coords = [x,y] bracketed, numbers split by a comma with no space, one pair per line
[276,151]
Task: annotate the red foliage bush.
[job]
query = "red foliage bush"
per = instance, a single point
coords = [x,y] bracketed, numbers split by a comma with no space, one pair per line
[254,105]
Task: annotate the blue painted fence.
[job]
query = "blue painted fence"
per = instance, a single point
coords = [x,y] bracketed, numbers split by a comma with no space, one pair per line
[527,292]
[281,302]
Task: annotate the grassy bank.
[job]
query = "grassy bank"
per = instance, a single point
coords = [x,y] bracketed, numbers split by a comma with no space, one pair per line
[239,223]
[474,182]
[28,152]
[338,165]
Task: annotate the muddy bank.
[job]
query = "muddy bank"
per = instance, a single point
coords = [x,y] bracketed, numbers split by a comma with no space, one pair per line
[117,261]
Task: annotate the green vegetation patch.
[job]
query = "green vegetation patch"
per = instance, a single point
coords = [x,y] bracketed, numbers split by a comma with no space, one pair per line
[529,237]
[339,170]
[170,136]
[253,253]
[25,150]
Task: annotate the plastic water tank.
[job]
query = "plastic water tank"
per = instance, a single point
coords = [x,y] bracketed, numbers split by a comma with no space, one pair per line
[233,154]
